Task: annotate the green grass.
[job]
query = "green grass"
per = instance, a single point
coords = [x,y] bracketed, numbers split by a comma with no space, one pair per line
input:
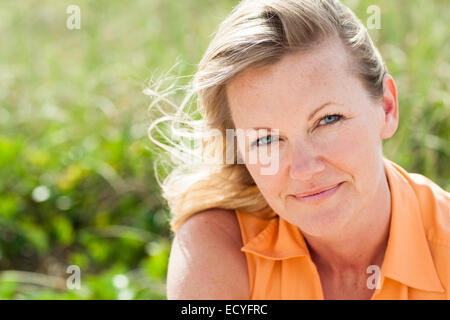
[76,167]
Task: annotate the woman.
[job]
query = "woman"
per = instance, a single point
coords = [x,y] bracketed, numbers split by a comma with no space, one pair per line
[335,219]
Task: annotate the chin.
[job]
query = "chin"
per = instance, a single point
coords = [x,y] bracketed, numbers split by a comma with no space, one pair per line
[319,222]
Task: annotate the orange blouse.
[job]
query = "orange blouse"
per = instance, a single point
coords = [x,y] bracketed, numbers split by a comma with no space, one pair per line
[416,263]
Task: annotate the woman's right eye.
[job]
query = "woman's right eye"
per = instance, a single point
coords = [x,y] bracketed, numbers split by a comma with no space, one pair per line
[264,141]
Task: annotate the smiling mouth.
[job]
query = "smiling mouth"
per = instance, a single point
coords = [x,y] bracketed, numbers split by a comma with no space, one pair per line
[318,195]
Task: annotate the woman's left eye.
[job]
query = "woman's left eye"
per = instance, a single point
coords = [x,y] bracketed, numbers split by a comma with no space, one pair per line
[330,119]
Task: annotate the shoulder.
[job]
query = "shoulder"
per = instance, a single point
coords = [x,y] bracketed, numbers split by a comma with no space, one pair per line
[423,183]
[206,261]
[435,207]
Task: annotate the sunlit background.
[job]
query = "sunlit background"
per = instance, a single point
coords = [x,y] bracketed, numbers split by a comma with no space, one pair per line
[77,186]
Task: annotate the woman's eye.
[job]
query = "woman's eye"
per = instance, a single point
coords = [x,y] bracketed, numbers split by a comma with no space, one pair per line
[264,140]
[330,119]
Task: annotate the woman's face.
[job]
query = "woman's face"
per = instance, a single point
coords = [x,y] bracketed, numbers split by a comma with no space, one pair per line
[330,134]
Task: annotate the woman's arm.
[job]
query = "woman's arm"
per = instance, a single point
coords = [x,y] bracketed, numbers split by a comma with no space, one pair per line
[206,261]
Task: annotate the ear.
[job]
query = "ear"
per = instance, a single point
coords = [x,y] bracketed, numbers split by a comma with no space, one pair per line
[390,107]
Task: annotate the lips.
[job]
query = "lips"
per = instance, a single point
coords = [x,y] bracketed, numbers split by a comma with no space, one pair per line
[317,196]
[315,191]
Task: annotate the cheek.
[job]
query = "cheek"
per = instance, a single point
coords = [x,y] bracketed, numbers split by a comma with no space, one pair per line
[270,186]
[354,150]
[342,148]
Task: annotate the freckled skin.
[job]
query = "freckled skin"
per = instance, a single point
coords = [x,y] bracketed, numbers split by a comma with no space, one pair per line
[282,96]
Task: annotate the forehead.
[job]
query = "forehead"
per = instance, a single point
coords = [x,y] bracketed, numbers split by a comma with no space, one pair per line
[298,82]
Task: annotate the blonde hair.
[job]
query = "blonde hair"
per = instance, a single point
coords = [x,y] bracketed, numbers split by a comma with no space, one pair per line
[256,33]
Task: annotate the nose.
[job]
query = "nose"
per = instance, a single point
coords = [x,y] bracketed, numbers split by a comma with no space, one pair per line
[305,163]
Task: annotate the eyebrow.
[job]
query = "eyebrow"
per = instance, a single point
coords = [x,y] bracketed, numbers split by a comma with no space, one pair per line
[320,108]
[310,116]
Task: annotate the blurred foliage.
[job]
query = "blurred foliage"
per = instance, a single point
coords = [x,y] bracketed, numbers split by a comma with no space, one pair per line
[77,185]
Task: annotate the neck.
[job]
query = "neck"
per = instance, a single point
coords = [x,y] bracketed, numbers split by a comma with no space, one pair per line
[364,241]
